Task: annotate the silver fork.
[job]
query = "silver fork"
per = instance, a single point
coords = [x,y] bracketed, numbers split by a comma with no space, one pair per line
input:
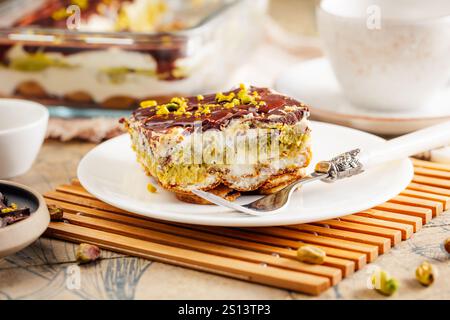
[345,165]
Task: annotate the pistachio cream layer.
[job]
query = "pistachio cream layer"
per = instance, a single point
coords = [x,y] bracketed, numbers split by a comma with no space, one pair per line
[244,138]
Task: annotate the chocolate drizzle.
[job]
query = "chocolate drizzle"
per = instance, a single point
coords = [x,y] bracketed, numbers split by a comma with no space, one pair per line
[220,116]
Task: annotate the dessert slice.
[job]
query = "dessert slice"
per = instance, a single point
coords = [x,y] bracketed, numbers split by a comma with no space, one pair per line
[246,139]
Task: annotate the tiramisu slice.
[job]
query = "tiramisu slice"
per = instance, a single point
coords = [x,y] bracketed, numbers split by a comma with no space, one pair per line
[246,139]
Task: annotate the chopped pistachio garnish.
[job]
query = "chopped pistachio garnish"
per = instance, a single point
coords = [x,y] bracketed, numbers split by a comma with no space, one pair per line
[37,61]
[162,110]
[255,94]
[148,103]
[180,111]
[178,106]
[244,97]
[60,14]
[151,188]
[220,97]
[206,109]
[118,75]
[83,4]
[178,101]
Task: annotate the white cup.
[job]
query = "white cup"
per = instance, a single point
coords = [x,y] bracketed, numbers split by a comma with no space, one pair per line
[388,55]
[22,130]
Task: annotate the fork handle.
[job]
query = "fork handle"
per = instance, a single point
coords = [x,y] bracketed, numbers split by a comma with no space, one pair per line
[407,145]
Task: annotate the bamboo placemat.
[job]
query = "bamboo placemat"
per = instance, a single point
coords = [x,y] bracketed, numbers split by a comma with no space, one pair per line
[261,255]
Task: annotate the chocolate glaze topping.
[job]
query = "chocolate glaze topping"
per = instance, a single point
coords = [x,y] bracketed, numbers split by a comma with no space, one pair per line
[220,116]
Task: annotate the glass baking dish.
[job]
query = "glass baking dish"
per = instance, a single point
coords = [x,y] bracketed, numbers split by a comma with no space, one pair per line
[117,69]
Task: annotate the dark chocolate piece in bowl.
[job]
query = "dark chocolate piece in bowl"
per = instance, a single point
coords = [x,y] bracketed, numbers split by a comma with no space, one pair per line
[16,204]
[25,219]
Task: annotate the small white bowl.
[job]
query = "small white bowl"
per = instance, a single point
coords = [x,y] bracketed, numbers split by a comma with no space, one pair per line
[22,130]
[19,235]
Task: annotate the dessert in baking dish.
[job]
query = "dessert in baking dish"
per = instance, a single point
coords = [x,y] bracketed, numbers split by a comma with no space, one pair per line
[122,52]
[109,15]
[246,139]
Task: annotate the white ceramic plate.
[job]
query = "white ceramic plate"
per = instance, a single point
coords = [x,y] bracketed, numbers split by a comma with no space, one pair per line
[314,83]
[111,173]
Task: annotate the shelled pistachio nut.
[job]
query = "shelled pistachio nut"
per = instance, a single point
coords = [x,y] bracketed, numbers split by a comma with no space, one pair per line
[425,273]
[384,283]
[311,254]
[87,253]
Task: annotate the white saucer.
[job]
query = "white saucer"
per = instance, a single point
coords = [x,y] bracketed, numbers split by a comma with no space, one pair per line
[314,83]
[111,173]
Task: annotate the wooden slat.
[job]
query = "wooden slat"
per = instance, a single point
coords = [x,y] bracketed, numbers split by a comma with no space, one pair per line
[111,247]
[370,250]
[91,203]
[423,213]
[432,173]
[430,165]
[75,190]
[415,222]
[429,189]
[383,243]
[435,182]
[405,229]
[254,272]
[436,207]
[394,235]
[359,258]
[333,274]
[428,196]
[337,259]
